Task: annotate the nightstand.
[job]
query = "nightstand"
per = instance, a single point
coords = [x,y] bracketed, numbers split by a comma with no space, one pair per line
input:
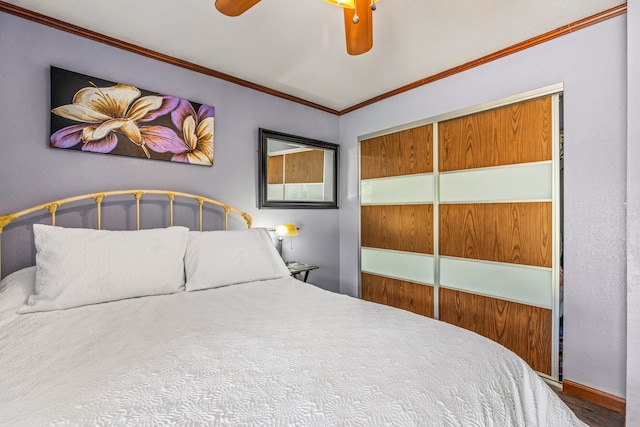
[296,268]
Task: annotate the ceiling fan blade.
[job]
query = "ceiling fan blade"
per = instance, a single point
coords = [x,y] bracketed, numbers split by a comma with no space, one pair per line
[234,7]
[359,36]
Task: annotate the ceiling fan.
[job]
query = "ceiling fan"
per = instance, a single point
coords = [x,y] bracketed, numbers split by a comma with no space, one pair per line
[358,19]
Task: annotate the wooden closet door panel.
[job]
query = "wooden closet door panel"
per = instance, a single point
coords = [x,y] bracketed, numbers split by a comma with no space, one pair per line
[524,329]
[509,232]
[304,167]
[401,153]
[516,133]
[398,227]
[518,233]
[398,293]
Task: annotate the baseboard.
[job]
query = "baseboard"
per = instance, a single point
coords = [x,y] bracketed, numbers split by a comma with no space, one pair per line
[593,395]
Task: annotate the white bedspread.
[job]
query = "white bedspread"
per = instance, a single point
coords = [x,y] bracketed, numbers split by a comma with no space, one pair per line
[276,352]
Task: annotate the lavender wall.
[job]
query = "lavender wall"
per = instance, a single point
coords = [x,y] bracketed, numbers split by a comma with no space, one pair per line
[592,65]
[31,172]
[633,213]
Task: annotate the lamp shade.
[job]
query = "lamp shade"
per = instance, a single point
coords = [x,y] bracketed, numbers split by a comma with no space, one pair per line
[287,230]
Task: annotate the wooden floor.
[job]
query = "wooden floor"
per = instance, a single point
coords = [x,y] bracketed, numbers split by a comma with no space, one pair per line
[590,413]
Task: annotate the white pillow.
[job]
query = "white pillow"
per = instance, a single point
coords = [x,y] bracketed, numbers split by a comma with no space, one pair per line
[77,267]
[220,258]
[15,289]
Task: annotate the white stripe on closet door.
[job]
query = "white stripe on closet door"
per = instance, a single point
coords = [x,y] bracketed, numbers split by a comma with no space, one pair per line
[522,182]
[409,266]
[403,189]
[520,283]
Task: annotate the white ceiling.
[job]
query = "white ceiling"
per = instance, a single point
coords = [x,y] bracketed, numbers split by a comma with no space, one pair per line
[297,46]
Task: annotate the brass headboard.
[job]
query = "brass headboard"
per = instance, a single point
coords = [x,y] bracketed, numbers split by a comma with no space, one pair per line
[52,207]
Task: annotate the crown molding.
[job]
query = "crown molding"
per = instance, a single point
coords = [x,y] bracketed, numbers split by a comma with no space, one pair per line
[518,47]
[101,38]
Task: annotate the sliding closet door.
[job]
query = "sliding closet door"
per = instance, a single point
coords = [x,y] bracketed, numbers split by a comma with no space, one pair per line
[466,229]
[397,240]
[496,232]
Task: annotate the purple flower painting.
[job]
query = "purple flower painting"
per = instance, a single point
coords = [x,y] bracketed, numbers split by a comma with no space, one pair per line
[99,116]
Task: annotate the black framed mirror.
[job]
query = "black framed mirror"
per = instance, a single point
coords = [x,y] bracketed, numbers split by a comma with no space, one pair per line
[296,172]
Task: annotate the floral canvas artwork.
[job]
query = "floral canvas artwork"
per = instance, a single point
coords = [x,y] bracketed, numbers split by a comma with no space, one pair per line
[95,115]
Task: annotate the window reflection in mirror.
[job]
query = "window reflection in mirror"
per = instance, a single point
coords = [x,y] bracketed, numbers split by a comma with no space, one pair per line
[297,172]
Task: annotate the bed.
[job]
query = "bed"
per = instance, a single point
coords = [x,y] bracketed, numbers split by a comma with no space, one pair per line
[167,326]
